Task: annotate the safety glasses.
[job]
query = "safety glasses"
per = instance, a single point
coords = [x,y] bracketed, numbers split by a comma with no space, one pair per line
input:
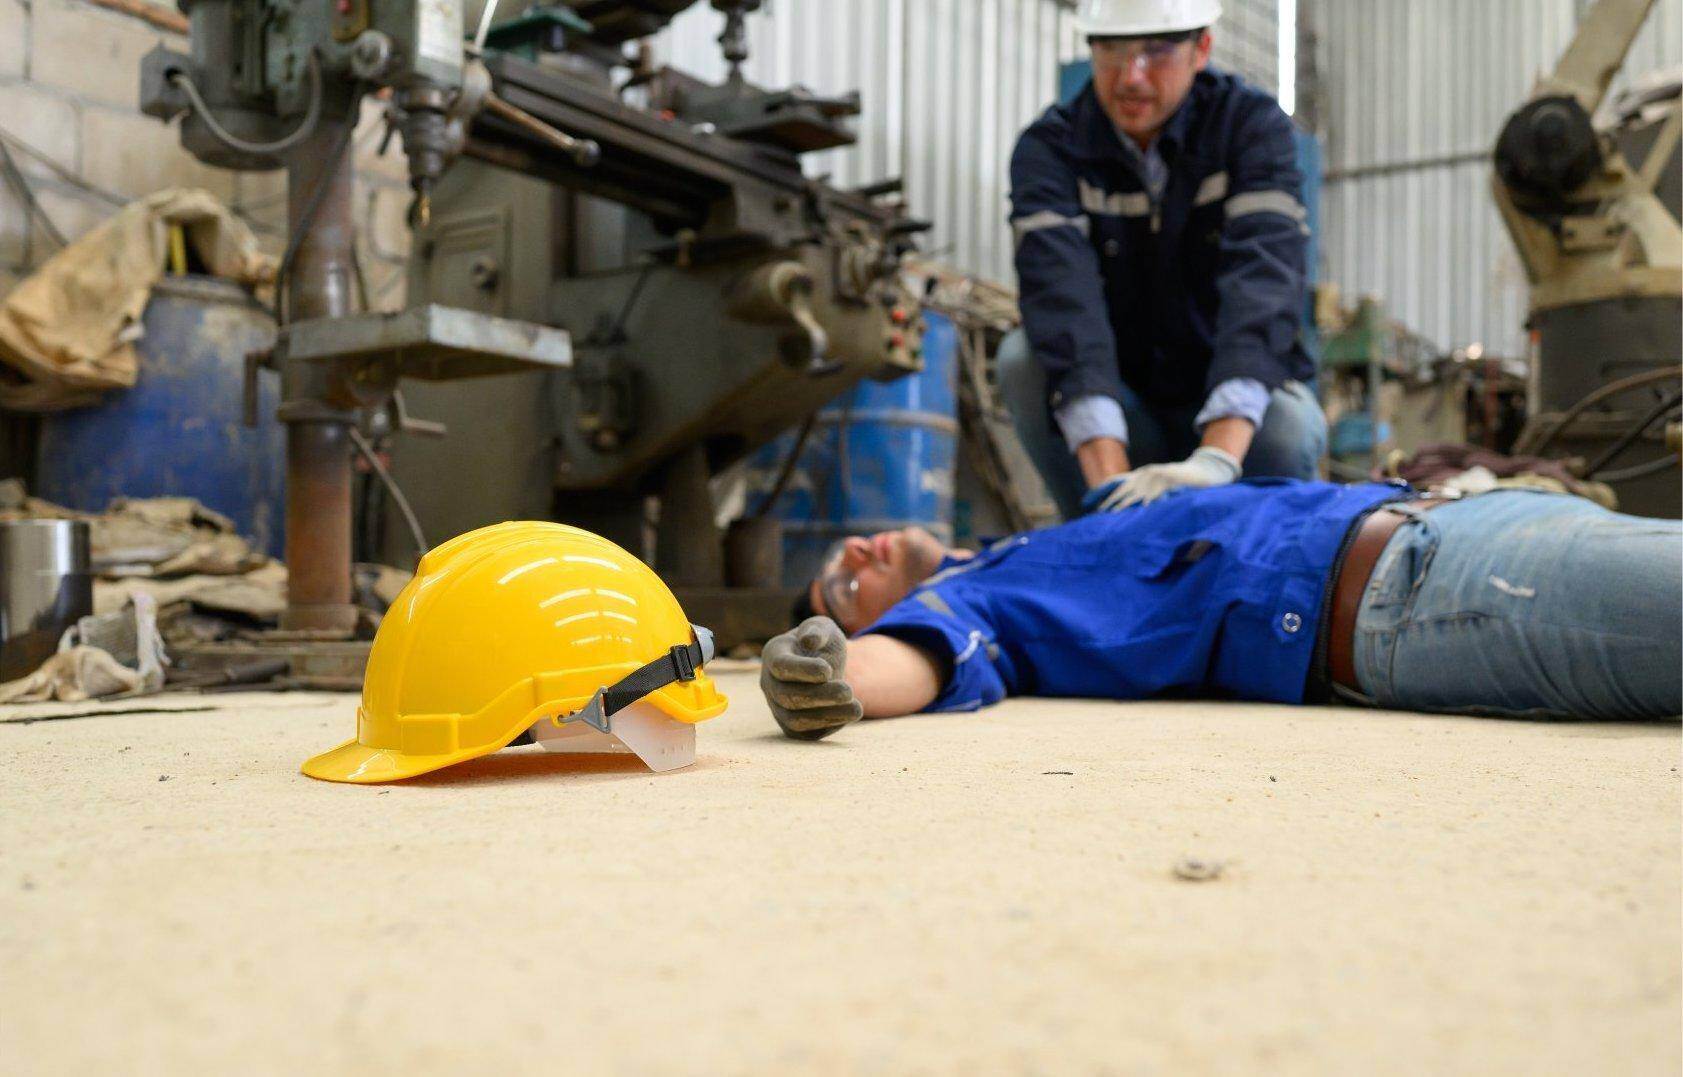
[1153,52]
[838,586]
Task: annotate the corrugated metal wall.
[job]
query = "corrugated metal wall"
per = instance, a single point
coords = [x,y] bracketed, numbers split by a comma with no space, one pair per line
[1413,94]
[946,85]
[1247,41]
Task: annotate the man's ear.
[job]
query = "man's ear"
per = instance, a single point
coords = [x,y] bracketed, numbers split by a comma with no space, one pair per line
[1201,51]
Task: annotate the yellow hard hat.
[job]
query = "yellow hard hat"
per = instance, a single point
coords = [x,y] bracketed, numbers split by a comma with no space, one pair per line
[521,626]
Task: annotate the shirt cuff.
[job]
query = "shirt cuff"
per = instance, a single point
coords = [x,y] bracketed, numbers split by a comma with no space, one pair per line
[1235,398]
[1094,416]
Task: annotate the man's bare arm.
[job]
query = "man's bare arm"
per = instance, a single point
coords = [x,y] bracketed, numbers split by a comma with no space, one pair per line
[890,677]
[1101,458]
[1232,435]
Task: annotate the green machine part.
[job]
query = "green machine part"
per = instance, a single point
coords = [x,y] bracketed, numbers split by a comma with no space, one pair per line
[537,30]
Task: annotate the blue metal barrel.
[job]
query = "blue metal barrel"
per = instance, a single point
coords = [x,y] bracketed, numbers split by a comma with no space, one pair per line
[179,432]
[880,457]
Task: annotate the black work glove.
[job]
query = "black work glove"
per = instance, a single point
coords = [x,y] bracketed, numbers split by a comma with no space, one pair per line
[801,675]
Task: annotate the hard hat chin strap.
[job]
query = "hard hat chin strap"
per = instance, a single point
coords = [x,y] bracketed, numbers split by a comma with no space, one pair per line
[677,665]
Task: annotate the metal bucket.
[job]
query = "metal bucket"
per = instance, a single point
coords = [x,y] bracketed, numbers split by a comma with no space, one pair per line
[46,584]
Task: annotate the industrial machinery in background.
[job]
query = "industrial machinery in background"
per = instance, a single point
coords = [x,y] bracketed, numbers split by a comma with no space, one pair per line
[935,450]
[1594,213]
[1388,390]
[622,281]
[716,296]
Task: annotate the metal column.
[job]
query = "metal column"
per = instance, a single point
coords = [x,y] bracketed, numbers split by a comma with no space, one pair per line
[316,406]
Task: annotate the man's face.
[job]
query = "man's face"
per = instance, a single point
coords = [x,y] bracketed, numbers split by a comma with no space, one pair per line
[1141,81]
[866,576]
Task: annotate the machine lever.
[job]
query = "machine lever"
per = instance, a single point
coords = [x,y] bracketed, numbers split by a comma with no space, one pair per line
[799,303]
[408,424]
[583,151]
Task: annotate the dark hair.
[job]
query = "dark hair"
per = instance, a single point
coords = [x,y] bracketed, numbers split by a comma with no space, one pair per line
[803,607]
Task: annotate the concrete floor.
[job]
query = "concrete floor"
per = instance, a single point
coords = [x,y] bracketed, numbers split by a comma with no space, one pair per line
[1400,894]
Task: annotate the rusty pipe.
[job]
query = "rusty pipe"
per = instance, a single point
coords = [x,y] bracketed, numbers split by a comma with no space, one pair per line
[315,405]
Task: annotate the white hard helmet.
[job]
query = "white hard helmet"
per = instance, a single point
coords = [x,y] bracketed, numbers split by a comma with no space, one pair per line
[1136,18]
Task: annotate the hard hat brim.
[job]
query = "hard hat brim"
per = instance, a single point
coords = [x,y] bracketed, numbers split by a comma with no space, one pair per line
[358,764]
[1096,29]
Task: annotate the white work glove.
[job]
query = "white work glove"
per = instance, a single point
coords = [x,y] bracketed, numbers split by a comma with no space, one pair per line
[1206,467]
[801,675]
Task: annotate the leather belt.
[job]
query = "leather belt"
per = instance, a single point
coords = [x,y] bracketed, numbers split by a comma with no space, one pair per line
[1351,582]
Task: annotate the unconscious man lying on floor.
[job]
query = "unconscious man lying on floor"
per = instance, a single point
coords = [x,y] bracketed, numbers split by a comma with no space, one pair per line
[1515,602]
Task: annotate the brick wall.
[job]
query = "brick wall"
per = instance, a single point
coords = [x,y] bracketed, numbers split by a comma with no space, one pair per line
[69,88]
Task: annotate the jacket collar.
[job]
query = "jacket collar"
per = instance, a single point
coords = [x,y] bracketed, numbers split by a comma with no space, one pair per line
[1097,139]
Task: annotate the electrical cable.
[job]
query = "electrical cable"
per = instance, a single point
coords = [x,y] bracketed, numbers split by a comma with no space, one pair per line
[839,470]
[20,183]
[64,174]
[1629,437]
[787,470]
[82,187]
[1524,447]
[305,128]
[844,450]
[617,334]
[323,181]
[1638,471]
[392,488]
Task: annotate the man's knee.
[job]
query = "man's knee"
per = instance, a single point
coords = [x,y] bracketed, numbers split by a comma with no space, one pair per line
[1022,389]
[1022,380]
[1293,436]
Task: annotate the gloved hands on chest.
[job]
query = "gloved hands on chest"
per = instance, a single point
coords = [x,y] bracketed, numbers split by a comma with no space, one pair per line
[1206,467]
[801,674]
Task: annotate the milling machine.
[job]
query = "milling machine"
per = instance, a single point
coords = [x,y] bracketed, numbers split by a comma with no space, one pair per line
[1594,215]
[621,283]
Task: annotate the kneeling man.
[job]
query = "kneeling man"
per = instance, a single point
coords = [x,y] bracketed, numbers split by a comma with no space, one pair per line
[1517,603]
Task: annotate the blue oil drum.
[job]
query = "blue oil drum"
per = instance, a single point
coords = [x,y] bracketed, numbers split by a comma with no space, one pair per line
[880,457]
[180,431]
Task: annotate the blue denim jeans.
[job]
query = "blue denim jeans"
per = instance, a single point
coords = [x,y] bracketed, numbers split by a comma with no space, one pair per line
[1288,445]
[1526,604]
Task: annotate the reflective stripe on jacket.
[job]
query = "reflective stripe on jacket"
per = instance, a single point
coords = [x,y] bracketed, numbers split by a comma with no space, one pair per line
[1172,296]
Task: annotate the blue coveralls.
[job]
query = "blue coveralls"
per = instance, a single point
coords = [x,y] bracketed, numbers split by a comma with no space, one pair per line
[1210,592]
[1181,305]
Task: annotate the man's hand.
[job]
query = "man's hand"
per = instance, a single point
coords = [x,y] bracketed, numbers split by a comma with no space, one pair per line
[1206,467]
[801,675]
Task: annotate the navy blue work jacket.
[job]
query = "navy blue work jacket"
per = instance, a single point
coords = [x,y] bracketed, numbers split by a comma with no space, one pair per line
[1205,592]
[1171,296]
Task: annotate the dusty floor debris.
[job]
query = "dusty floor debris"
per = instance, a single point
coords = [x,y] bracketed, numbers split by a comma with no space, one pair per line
[1194,870]
[1419,895]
